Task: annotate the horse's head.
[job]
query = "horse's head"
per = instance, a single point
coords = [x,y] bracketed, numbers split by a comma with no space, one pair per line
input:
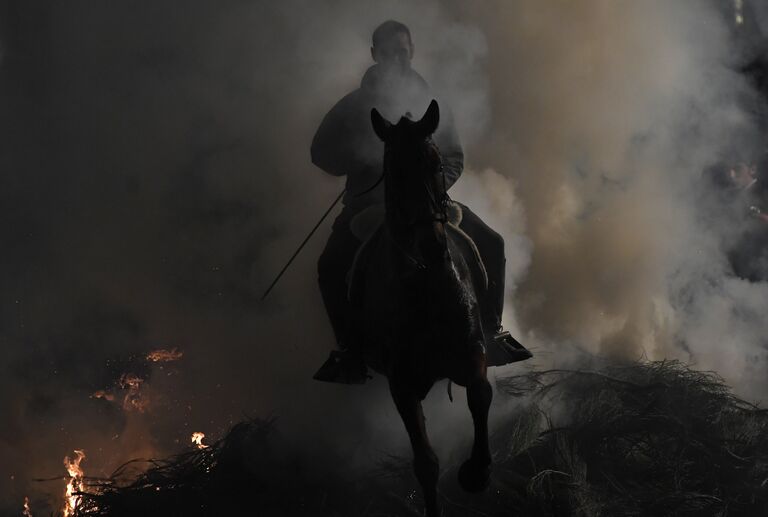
[415,187]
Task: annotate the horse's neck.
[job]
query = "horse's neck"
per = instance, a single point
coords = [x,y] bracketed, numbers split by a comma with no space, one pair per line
[424,244]
[411,224]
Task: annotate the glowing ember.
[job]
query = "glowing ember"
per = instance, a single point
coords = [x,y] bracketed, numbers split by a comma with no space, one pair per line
[27,510]
[165,356]
[133,400]
[75,484]
[197,439]
[101,394]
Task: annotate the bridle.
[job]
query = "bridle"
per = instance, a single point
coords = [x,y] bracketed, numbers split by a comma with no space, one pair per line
[438,201]
[438,204]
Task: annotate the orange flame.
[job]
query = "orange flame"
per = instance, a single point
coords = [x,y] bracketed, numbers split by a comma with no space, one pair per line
[27,510]
[165,356]
[133,399]
[101,394]
[197,439]
[75,484]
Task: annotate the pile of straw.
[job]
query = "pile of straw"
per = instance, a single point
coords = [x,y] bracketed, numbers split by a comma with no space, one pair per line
[642,439]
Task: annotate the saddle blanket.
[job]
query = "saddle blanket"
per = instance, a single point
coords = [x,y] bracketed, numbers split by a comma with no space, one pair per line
[365,225]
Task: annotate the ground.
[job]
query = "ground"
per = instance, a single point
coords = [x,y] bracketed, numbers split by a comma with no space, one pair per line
[651,438]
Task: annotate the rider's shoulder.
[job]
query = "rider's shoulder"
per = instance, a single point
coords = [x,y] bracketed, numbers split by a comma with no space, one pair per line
[350,103]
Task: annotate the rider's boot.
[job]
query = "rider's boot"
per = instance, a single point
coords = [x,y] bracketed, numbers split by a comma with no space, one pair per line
[503,348]
[344,366]
[511,348]
[352,365]
[350,358]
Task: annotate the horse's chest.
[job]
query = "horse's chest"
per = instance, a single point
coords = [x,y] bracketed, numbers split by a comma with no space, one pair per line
[422,304]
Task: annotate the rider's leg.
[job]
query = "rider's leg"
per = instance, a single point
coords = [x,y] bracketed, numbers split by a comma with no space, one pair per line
[332,269]
[345,366]
[491,247]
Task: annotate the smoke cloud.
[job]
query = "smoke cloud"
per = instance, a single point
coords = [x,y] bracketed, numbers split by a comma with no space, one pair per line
[605,123]
[158,177]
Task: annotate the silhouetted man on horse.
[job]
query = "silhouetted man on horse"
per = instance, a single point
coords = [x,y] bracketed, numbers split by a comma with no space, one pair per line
[345,144]
[413,281]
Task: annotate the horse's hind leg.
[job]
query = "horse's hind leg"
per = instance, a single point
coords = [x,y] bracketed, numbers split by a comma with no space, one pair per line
[475,472]
[425,463]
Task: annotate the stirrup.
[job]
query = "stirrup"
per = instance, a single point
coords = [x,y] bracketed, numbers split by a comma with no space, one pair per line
[507,349]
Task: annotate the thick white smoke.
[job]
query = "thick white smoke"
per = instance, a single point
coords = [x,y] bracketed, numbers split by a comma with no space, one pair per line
[606,114]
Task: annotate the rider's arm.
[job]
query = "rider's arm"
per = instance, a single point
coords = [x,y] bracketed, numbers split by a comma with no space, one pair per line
[327,145]
[336,147]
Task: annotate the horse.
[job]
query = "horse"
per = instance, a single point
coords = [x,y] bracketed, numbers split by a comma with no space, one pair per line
[418,319]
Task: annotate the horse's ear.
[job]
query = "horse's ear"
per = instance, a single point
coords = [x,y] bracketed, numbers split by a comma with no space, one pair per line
[380,125]
[430,120]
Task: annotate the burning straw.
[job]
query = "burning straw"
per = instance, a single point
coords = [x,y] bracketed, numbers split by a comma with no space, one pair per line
[654,438]
[248,471]
[174,486]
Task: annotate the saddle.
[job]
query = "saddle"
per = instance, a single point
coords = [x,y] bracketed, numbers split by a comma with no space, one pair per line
[367,226]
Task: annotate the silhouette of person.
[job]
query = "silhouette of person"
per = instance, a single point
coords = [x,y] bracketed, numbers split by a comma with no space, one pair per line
[346,145]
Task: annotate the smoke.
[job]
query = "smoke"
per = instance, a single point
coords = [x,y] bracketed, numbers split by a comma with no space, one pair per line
[606,122]
[159,177]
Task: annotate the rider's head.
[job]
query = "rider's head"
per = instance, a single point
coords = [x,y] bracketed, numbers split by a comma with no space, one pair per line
[392,47]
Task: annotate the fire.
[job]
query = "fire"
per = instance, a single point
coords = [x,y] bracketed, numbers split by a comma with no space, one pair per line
[101,394]
[165,356]
[197,439]
[27,509]
[75,484]
[133,399]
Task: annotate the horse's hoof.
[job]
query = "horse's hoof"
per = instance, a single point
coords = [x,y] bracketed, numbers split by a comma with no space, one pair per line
[473,476]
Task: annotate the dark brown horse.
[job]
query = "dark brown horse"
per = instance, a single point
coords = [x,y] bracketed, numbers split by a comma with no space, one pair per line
[418,319]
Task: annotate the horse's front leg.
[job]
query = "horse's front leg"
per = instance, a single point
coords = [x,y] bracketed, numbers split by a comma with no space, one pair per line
[425,462]
[475,472]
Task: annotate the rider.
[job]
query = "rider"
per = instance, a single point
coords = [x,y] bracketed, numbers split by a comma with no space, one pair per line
[345,144]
